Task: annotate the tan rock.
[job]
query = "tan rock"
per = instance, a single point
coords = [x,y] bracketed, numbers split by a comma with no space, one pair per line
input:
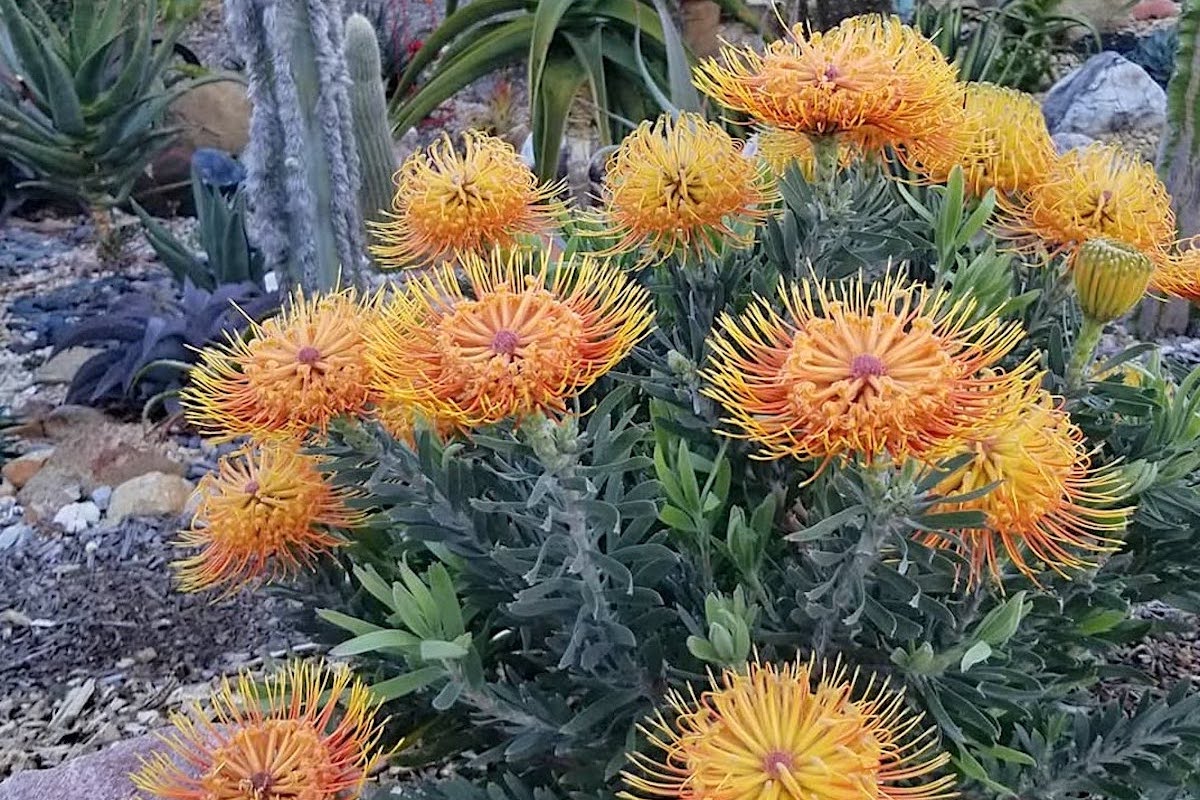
[213,115]
[7,489]
[19,471]
[63,366]
[149,495]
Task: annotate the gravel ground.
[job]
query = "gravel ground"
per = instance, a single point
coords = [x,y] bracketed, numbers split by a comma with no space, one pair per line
[96,644]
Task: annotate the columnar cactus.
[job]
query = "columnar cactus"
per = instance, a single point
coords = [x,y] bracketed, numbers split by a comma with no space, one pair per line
[1179,159]
[302,165]
[368,107]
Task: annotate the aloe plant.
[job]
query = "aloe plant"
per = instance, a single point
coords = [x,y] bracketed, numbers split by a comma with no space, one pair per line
[82,101]
[567,44]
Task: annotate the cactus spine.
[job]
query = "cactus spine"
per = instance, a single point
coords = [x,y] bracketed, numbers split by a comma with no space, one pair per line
[368,108]
[302,165]
[1179,158]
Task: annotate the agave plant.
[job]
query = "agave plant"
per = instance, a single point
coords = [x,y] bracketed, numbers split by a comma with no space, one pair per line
[595,44]
[147,349]
[228,256]
[82,101]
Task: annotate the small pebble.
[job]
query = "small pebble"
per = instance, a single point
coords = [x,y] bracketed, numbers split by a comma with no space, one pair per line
[101,496]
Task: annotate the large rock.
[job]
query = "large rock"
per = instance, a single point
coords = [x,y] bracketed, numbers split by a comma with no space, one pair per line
[98,776]
[1108,94]
[215,115]
[150,495]
[106,454]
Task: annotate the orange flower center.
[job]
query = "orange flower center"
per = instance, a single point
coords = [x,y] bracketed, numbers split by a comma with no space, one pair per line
[508,347]
[272,760]
[859,373]
[251,487]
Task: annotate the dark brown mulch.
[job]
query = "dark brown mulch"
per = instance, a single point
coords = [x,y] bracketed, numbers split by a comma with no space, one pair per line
[97,645]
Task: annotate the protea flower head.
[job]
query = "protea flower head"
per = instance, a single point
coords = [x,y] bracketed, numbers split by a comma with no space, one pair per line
[1178,274]
[1094,192]
[1048,504]
[308,733]
[850,370]
[529,332]
[798,731]
[681,186]
[449,203]
[263,515]
[869,79]
[1003,143]
[292,373]
[1110,278]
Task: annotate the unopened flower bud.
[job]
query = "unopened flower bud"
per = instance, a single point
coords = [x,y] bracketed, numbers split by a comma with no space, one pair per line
[1110,278]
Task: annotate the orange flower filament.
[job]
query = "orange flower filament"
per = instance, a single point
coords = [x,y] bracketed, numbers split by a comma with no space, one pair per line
[292,373]
[529,334]
[287,740]
[1178,275]
[1046,503]
[893,369]
[870,77]
[795,732]
[261,518]
[449,203]
[681,186]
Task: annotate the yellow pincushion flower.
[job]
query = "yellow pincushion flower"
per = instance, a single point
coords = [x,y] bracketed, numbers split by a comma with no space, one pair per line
[309,733]
[1005,143]
[262,516]
[793,732]
[893,369]
[681,187]
[1047,504]
[449,203]
[292,373]
[1098,191]
[529,333]
[870,79]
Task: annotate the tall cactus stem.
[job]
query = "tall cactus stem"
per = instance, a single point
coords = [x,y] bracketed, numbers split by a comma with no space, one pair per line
[302,163]
[368,109]
[1179,156]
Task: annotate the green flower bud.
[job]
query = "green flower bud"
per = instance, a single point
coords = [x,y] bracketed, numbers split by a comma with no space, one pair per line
[1110,278]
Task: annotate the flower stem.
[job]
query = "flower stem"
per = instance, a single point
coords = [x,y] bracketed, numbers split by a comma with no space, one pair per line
[825,158]
[1085,348]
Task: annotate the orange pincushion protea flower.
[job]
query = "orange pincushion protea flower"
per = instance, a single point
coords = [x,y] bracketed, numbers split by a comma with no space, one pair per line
[1178,275]
[1095,192]
[529,334]
[261,518]
[1046,503]
[1006,145]
[894,369]
[795,732]
[294,372]
[449,203]
[681,186]
[309,733]
[870,77]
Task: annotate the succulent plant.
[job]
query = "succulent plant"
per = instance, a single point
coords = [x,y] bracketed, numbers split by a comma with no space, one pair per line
[147,348]
[82,100]
[228,256]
